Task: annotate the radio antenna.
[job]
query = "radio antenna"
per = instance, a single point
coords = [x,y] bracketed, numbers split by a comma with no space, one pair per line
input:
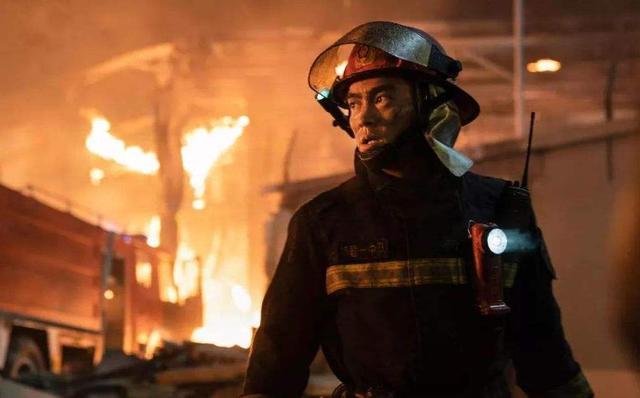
[525,175]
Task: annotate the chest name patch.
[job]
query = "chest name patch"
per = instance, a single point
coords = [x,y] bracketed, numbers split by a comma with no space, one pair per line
[367,251]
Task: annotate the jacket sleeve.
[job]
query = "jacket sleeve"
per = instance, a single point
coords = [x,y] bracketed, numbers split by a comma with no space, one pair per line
[545,367]
[292,312]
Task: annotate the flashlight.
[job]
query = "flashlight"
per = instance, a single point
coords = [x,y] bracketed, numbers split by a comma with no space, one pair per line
[496,240]
[488,243]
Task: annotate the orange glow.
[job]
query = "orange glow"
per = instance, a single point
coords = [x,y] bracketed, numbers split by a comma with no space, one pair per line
[109,294]
[202,148]
[102,143]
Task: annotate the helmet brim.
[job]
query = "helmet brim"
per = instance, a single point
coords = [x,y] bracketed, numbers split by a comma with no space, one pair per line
[468,107]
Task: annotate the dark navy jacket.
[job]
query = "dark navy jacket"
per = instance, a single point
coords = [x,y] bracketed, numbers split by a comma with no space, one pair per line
[375,273]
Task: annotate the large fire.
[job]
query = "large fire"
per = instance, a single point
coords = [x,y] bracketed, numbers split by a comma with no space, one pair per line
[228,312]
[202,148]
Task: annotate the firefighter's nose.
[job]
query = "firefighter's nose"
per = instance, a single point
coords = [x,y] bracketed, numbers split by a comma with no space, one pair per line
[368,115]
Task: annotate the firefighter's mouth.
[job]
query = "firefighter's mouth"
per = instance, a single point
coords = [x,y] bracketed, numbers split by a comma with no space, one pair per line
[372,140]
[371,143]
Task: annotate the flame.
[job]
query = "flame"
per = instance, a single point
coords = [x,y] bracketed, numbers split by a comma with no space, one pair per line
[256,317]
[153,342]
[102,143]
[152,231]
[199,204]
[228,317]
[179,280]
[170,295]
[144,274]
[241,298]
[142,338]
[202,148]
[186,273]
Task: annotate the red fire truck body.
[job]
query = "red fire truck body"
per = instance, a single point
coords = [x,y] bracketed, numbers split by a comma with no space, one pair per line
[69,289]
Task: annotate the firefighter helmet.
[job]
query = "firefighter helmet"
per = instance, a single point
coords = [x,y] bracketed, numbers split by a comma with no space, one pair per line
[387,48]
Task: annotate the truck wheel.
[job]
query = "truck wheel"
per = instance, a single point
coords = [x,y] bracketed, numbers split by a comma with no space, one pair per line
[24,357]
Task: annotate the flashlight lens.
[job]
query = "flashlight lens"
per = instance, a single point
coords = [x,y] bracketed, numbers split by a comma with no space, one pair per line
[497,241]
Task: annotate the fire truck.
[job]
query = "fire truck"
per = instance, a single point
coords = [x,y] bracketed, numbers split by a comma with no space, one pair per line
[70,289]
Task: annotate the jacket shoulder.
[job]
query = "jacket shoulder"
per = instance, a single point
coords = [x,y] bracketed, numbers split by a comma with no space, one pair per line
[331,199]
[481,184]
[483,195]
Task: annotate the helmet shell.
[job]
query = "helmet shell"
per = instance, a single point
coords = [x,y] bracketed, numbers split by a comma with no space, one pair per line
[378,48]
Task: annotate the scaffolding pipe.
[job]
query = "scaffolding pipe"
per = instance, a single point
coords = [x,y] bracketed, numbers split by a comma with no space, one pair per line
[518,68]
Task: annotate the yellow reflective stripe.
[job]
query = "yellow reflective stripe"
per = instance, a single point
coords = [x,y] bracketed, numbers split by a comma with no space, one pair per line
[509,271]
[424,271]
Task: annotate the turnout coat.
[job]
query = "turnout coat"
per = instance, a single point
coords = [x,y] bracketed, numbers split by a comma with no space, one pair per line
[375,272]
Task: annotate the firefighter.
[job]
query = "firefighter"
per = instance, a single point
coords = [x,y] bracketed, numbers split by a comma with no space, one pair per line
[376,271]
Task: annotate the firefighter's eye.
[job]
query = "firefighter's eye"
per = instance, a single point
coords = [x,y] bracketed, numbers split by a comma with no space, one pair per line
[383,99]
[353,104]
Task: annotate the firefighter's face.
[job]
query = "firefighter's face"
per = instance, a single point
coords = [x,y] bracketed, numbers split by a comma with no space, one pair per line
[381,108]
